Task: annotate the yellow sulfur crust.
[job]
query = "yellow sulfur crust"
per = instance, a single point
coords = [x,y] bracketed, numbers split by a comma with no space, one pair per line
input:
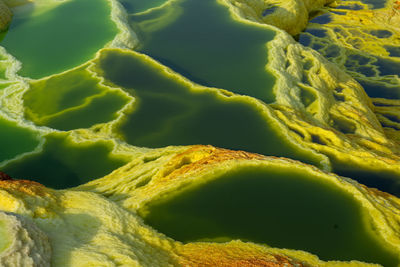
[320,105]
[96,224]
[295,12]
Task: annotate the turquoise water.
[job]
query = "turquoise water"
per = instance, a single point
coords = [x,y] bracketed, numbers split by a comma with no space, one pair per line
[62,38]
[206,45]
[280,207]
[15,140]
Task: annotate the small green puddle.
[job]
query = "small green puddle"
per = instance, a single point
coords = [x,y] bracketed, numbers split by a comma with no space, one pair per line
[15,140]
[136,6]
[74,99]
[280,207]
[4,240]
[208,46]
[61,38]
[170,112]
[64,164]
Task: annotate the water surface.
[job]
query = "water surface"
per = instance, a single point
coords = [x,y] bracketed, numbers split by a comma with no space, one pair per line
[74,99]
[205,44]
[137,6]
[170,112]
[61,38]
[15,140]
[280,207]
[64,164]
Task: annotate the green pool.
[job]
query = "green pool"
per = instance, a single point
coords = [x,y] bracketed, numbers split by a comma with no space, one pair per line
[280,207]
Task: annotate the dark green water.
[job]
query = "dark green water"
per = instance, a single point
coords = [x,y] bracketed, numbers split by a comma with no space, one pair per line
[62,38]
[281,207]
[167,112]
[136,6]
[15,140]
[64,164]
[72,100]
[207,46]
[384,180]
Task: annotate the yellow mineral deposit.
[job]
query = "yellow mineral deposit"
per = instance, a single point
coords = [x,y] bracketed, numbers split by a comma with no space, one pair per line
[5,16]
[295,12]
[97,223]
[321,106]
[367,46]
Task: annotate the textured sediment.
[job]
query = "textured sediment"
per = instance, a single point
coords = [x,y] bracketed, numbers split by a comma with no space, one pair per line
[97,223]
[24,244]
[323,107]
[363,41]
[295,12]
[317,105]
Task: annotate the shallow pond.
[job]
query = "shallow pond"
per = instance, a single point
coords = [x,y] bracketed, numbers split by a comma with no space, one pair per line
[60,38]
[280,207]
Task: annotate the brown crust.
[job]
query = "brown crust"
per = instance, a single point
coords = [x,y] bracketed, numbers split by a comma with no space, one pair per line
[24,186]
[199,157]
[376,194]
[229,255]
[4,176]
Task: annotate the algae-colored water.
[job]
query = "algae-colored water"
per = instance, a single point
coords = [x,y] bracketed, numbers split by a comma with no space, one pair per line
[280,207]
[384,180]
[56,40]
[74,99]
[63,163]
[170,112]
[205,44]
[15,140]
[136,6]
[202,42]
